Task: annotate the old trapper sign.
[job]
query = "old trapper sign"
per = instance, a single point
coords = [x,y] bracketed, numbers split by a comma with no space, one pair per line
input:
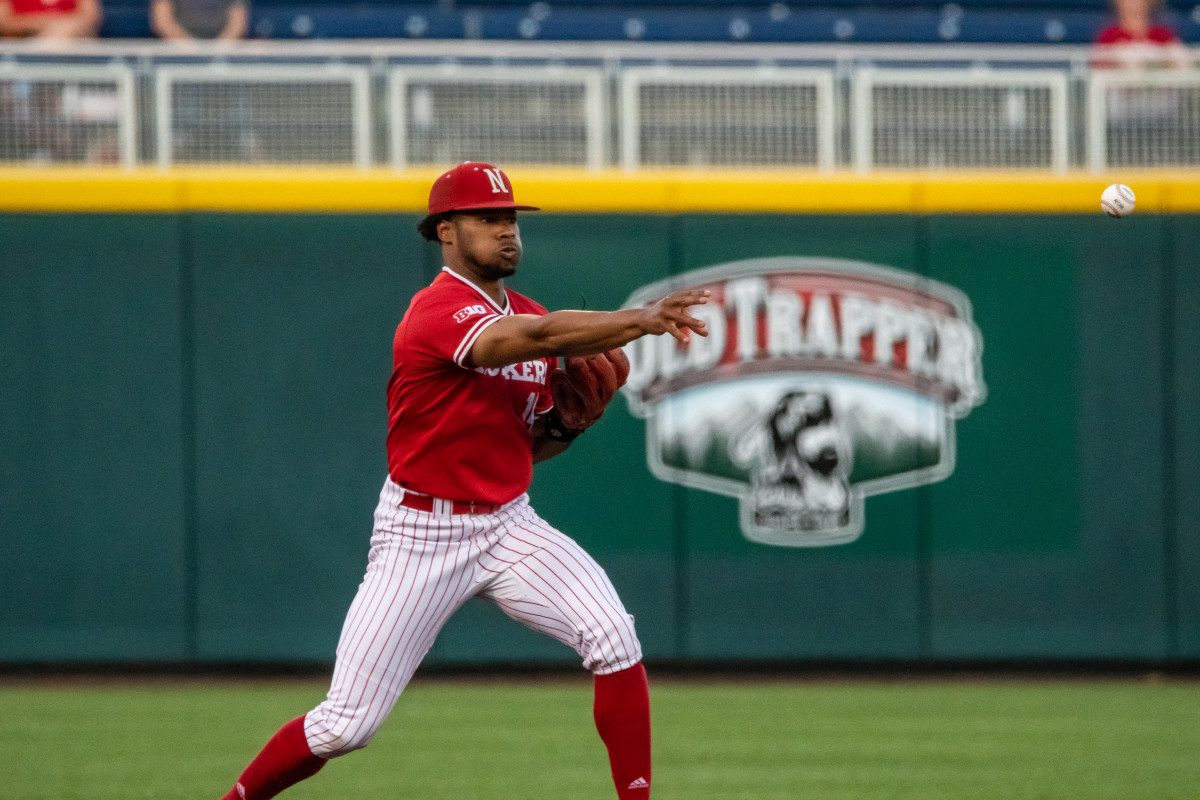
[822,381]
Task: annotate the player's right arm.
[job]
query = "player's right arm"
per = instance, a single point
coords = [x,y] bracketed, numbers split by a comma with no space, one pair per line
[526,337]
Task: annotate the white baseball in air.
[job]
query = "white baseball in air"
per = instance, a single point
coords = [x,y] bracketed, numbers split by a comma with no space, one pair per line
[1118,201]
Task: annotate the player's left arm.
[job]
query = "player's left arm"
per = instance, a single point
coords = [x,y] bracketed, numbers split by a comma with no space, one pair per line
[524,337]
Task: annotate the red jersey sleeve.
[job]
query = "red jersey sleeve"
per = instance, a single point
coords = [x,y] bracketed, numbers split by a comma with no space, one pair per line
[444,328]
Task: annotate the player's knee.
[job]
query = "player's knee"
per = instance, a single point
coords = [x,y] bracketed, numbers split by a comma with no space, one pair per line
[331,735]
[336,744]
[612,644]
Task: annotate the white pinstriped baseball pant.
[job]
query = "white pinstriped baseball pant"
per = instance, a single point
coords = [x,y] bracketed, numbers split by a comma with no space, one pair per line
[422,567]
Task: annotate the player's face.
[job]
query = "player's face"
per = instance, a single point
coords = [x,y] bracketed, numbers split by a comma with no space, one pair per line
[488,241]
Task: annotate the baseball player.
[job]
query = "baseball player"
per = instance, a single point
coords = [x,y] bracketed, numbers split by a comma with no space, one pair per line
[475,399]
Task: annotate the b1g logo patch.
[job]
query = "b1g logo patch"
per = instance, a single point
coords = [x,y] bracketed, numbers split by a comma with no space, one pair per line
[822,381]
[463,314]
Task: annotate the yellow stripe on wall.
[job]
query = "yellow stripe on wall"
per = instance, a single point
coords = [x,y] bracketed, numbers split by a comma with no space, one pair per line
[611,191]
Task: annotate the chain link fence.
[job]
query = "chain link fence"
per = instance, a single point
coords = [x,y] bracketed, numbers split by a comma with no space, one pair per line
[67,114]
[518,115]
[961,119]
[262,115]
[1139,119]
[722,117]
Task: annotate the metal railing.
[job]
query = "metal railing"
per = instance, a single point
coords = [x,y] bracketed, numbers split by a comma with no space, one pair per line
[594,105]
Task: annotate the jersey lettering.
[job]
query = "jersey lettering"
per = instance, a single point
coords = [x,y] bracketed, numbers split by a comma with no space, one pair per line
[464,314]
[530,371]
[497,180]
[530,409]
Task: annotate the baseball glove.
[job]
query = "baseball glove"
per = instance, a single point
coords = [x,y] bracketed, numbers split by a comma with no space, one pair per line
[583,390]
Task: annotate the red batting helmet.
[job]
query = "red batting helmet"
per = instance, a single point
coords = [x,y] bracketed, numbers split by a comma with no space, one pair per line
[470,186]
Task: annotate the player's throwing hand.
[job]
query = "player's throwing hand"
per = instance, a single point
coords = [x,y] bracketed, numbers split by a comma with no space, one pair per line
[669,315]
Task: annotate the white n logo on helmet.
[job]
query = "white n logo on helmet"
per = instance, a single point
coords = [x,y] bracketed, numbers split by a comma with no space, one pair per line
[496,178]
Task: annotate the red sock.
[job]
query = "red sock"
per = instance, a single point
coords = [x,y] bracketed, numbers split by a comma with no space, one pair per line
[622,711]
[284,761]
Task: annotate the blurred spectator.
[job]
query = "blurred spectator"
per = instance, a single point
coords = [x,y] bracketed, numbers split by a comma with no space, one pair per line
[1142,113]
[181,20]
[50,19]
[208,127]
[1136,41]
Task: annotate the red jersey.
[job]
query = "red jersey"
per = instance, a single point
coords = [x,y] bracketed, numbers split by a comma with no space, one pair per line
[1115,34]
[456,432]
[42,6]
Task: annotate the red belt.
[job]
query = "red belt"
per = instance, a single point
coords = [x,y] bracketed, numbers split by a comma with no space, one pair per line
[423,502]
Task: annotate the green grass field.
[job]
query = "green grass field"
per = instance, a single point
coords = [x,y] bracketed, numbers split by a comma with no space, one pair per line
[714,739]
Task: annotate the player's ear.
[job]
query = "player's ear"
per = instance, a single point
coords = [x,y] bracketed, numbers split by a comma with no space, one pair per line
[446,230]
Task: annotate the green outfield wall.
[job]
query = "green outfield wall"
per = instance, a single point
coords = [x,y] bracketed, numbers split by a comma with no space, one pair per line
[194,413]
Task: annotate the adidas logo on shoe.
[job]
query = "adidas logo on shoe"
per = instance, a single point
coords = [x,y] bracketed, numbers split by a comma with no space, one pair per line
[640,783]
